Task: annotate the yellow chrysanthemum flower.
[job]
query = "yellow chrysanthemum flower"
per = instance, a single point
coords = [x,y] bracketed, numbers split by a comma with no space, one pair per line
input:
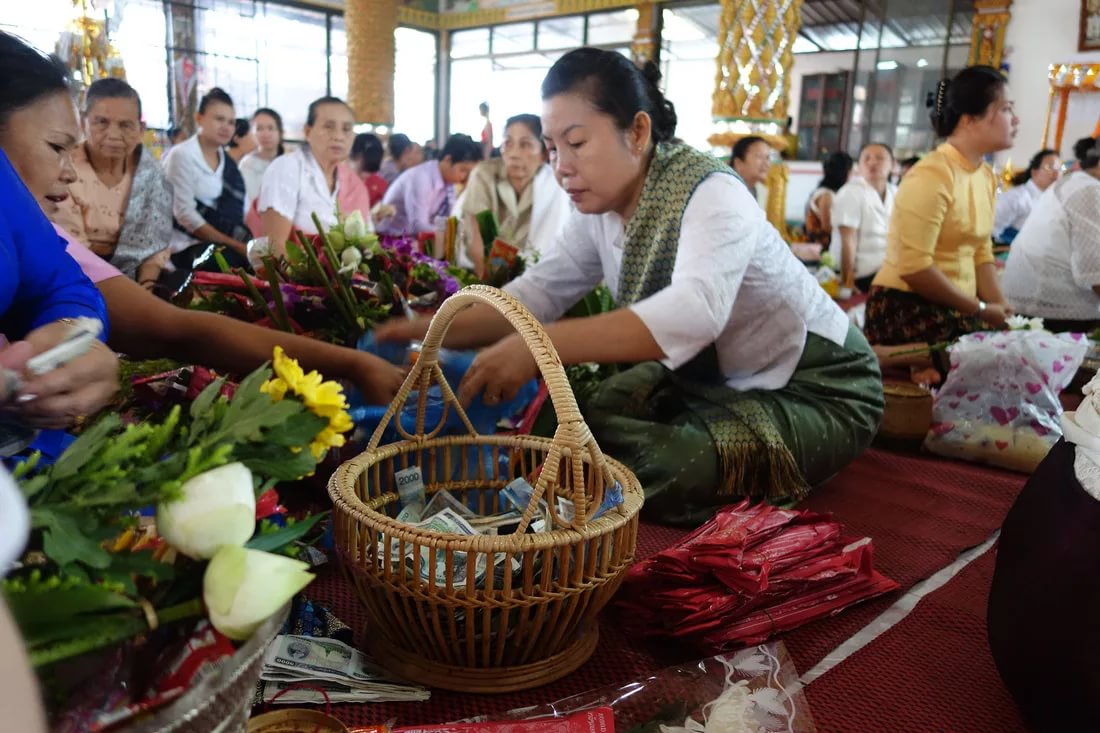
[324,399]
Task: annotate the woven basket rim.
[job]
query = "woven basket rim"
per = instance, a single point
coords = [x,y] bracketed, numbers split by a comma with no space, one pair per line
[344,498]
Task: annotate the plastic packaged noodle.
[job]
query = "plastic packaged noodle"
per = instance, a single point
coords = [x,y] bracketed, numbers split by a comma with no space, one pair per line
[597,720]
[755,690]
[1000,403]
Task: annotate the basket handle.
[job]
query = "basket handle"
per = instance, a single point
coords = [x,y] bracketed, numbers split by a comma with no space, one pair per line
[572,433]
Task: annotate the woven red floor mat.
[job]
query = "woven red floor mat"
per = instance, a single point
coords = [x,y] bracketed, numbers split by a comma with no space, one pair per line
[921,512]
[931,672]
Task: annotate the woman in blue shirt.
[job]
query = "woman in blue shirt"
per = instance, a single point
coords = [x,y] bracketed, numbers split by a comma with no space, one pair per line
[41,287]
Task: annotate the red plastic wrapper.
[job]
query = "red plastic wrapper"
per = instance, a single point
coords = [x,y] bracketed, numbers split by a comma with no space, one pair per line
[751,572]
[597,720]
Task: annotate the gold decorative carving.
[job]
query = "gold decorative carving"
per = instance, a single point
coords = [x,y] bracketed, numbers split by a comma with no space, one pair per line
[370,25]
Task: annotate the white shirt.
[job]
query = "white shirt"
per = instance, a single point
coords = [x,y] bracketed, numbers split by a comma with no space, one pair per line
[252,169]
[192,179]
[1055,259]
[14,524]
[295,186]
[735,284]
[859,206]
[1013,208]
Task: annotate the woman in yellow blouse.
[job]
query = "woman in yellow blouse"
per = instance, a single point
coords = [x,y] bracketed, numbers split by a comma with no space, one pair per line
[939,279]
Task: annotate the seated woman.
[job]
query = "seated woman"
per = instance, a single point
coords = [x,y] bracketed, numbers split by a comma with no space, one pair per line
[314,179]
[861,218]
[120,205]
[519,188]
[752,159]
[143,326]
[939,280]
[1015,204]
[404,154]
[819,220]
[267,131]
[41,288]
[1053,268]
[428,191]
[207,187]
[366,159]
[749,380]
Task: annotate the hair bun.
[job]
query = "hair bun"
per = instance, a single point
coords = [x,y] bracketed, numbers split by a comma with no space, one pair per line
[652,73]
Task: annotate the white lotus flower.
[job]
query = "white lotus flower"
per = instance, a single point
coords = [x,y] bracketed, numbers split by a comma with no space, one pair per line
[354,226]
[1036,324]
[350,258]
[243,588]
[216,508]
[1017,323]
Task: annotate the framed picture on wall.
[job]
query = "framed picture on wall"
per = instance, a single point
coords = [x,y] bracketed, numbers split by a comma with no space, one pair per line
[1089,39]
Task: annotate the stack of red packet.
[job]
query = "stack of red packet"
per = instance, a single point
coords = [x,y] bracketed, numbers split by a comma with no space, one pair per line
[749,573]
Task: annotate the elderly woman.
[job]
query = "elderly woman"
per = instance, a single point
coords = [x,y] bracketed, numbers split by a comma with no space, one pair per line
[519,188]
[747,378]
[120,205]
[41,288]
[207,187]
[314,179]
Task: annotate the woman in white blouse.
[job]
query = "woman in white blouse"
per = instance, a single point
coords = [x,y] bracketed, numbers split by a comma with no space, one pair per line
[315,179]
[267,131]
[749,380]
[1015,204]
[1053,269]
[861,218]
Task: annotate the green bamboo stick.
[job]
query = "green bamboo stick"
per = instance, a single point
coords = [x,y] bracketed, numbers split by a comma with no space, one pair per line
[315,264]
[349,298]
[254,293]
[276,293]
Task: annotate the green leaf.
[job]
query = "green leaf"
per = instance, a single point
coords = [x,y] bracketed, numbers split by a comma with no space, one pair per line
[206,398]
[84,448]
[297,432]
[65,539]
[40,609]
[276,461]
[277,540]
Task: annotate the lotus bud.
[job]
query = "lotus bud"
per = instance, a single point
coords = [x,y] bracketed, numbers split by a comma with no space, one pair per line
[217,507]
[244,588]
[350,259]
[355,227]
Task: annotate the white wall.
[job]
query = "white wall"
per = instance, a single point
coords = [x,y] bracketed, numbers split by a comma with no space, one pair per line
[1043,32]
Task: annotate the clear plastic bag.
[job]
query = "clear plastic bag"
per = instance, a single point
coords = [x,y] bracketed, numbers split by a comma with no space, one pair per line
[1000,404]
[755,690]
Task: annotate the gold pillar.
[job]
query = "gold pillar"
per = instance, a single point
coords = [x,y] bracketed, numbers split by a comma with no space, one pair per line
[370,27]
[987,40]
[644,47]
[755,38]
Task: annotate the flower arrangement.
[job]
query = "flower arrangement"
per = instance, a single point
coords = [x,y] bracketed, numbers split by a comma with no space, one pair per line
[334,285]
[96,574]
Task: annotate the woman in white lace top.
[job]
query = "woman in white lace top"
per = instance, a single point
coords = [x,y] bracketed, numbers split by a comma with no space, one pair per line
[1053,269]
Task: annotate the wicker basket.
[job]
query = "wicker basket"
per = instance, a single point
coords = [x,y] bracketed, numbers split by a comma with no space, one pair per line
[475,631]
[908,413]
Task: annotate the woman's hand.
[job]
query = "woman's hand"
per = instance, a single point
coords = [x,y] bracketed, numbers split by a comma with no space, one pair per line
[70,393]
[499,372]
[377,379]
[994,314]
[402,329]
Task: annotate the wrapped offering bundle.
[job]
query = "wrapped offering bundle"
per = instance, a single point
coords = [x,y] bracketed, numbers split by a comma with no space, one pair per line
[1000,403]
[751,572]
